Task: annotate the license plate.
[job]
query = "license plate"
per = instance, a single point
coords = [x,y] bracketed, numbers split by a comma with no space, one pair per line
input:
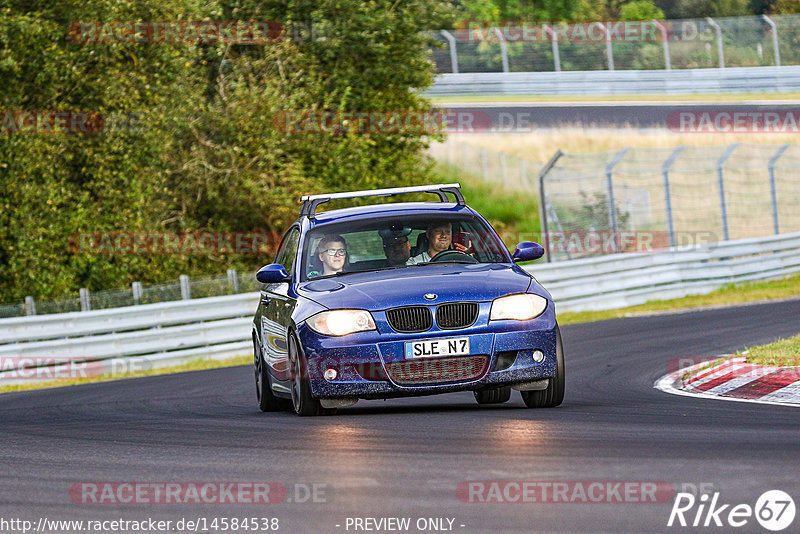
[432,348]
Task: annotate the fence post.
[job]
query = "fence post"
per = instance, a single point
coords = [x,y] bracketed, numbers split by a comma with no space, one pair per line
[30,306]
[453,55]
[233,279]
[136,290]
[503,48]
[554,41]
[186,290]
[609,51]
[86,304]
[721,179]
[772,190]
[719,41]
[774,41]
[543,202]
[667,195]
[612,211]
[664,44]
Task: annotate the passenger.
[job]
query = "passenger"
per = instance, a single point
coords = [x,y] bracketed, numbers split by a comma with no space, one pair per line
[396,245]
[332,252]
[440,237]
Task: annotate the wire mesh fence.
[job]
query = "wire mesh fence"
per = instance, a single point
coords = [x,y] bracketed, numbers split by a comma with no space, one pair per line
[507,171]
[199,287]
[532,46]
[643,199]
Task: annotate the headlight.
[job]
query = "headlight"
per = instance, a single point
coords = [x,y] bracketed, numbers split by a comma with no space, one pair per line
[520,306]
[341,322]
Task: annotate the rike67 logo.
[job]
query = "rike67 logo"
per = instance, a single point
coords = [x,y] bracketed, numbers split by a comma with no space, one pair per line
[774,510]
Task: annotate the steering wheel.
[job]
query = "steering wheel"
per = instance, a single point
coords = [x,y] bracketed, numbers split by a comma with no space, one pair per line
[453,255]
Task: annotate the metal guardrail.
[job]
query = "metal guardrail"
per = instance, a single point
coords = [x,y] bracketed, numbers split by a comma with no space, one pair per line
[217,327]
[117,320]
[620,82]
[134,337]
[620,280]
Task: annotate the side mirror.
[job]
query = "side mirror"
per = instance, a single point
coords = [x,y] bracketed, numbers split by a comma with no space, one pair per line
[528,251]
[272,274]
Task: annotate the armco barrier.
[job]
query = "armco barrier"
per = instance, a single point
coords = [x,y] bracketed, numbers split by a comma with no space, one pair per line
[173,332]
[621,82]
[620,280]
[151,335]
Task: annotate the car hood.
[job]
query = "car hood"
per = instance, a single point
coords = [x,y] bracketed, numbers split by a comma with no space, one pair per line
[403,287]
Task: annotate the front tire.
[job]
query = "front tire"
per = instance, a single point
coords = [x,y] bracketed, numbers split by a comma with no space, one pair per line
[267,402]
[302,401]
[554,394]
[493,396]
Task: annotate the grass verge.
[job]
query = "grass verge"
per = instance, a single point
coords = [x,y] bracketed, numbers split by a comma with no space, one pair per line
[781,353]
[539,145]
[727,295]
[513,214]
[191,366]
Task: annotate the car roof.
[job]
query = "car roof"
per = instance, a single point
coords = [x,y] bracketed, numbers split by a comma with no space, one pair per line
[372,211]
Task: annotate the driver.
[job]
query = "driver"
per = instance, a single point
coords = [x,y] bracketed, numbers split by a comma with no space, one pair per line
[440,237]
[396,245]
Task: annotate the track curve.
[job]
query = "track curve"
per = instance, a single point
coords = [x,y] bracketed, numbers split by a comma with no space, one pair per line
[406,457]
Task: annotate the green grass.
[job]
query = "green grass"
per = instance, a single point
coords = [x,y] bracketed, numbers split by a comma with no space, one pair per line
[781,353]
[727,295]
[440,100]
[198,365]
[514,215]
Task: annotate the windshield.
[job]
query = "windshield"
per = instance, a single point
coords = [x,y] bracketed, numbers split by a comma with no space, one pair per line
[399,243]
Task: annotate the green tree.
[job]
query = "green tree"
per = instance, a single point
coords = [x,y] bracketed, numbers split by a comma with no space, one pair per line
[210,156]
[640,10]
[787,7]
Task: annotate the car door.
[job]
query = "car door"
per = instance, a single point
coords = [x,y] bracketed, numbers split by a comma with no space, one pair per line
[277,303]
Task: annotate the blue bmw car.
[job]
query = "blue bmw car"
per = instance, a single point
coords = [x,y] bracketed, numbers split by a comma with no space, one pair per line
[401,299]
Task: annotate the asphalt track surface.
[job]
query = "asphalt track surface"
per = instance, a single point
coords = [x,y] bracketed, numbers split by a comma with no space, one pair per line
[406,457]
[522,117]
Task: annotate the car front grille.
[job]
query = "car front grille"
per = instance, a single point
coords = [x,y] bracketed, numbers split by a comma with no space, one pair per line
[456,315]
[410,319]
[438,370]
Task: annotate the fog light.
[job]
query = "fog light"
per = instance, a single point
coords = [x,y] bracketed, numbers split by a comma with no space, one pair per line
[330,374]
[538,356]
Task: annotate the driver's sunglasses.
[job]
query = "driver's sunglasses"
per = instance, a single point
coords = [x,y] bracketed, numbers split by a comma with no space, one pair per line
[336,251]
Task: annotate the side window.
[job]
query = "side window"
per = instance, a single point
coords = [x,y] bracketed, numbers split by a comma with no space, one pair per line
[288,250]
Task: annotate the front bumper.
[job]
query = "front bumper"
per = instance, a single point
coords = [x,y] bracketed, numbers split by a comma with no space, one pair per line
[362,360]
